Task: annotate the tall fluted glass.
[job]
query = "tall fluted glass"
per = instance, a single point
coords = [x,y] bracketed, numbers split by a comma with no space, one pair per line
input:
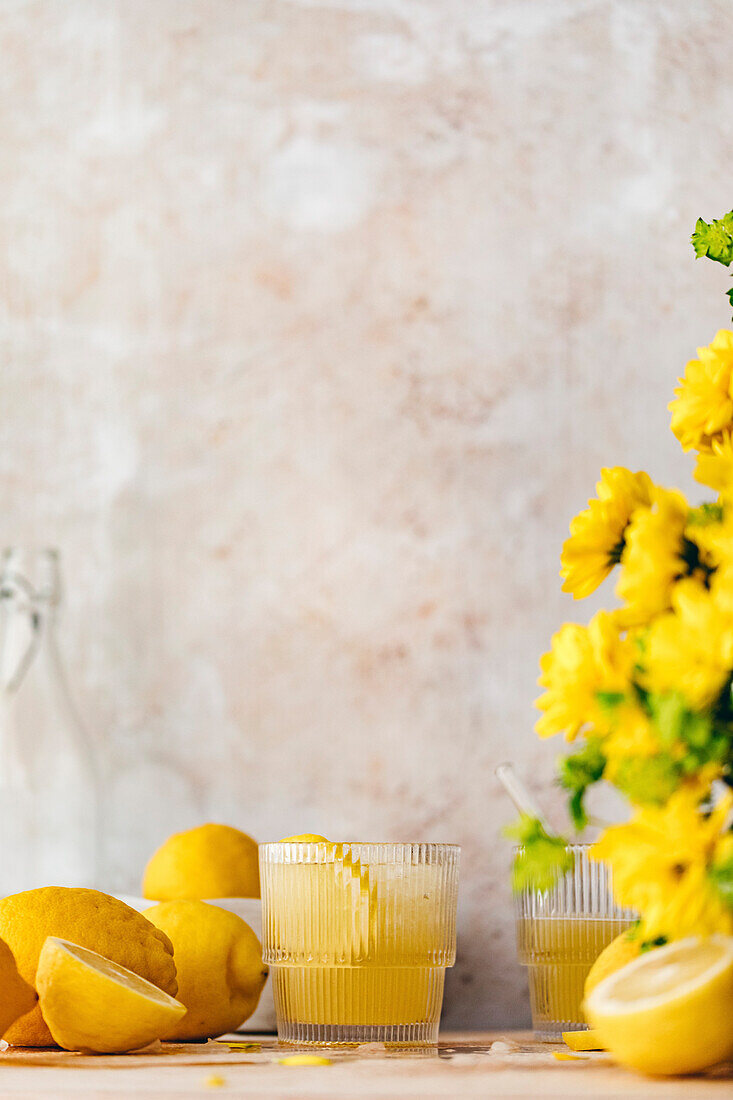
[358,938]
[560,934]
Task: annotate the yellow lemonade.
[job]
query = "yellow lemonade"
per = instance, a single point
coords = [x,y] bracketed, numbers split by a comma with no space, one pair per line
[559,952]
[358,937]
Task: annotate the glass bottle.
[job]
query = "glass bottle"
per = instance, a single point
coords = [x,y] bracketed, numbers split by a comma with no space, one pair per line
[49,804]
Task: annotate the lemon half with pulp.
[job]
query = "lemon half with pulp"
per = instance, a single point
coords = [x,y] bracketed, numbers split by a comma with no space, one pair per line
[91,1004]
[670,1011]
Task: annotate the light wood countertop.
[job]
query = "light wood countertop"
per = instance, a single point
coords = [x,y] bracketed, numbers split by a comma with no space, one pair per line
[463,1065]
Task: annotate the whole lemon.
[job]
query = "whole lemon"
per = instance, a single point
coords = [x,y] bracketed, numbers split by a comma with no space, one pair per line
[16,996]
[90,919]
[219,962]
[210,861]
[617,954]
[305,838]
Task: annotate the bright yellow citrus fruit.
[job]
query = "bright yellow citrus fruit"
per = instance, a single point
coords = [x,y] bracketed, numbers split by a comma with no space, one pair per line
[16,996]
[582,1040]
[305,838]
[91,1004]
[91,919]
[618,953]
[219,964]
[211,861]
[305,1060]
[670,1010]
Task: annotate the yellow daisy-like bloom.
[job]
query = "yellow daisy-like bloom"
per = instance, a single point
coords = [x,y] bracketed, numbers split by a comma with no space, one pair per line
[582,662]
[715,467]
[632,734]
[653,557]
[703,404]
[722,588]
[715,542]
[661,860]
[597,534]
[690,649]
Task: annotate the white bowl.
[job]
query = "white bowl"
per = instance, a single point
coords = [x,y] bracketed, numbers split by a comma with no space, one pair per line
[250,910]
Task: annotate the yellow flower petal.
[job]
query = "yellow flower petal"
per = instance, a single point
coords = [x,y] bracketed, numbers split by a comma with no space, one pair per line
[703,405]
[596,534]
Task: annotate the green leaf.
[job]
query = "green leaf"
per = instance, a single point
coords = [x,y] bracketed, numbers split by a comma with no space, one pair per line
[714,240]
[668,714]
[647,780]
[609,700]
[706,514]
[649,945]
[721,875]
[542,858]
[704,736]
[579,771]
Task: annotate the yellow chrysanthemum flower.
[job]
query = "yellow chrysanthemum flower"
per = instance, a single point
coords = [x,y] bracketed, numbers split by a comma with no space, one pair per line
[715,467]
[597,534]
[722,588]
[690,649]
[653,557]
[703,404]
[661,861]
[714,540]
[582,662]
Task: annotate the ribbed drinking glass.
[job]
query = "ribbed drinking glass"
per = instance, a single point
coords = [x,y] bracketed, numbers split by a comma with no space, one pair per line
[358,938]
[560,934]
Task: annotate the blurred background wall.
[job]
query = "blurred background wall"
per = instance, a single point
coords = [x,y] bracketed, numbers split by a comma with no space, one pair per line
[318,319]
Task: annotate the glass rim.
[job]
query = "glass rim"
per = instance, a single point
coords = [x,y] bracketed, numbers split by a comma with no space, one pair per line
[325,851]
[581,847]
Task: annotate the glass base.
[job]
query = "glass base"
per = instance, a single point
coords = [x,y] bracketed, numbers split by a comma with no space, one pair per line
[556,998]
[352,1034]
[550,1031]
[369,1004]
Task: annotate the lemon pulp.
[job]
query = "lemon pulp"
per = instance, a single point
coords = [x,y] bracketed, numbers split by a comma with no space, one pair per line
[669,1011]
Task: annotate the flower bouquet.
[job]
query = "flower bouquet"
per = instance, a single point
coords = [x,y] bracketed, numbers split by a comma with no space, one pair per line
[645,691]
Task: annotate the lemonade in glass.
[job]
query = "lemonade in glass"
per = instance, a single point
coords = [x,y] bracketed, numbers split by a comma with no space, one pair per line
[560,934]
[358,938]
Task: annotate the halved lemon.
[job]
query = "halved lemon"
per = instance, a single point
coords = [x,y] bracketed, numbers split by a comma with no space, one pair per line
[91,1004]
[669,1011]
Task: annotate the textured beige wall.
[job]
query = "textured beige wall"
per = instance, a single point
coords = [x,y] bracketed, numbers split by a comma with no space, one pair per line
[317,319]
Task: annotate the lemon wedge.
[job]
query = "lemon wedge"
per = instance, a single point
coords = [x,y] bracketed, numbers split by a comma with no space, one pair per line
[582,1040]
[91,1004]
[670,1010]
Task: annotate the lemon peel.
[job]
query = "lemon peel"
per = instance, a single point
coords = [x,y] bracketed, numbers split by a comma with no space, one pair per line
[305,1060]
[17,997]
[616,954]
[305,838]
[210,861]
[219,963]
[582,1040]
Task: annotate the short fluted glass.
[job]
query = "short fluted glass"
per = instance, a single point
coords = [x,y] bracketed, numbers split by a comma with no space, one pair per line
[358,938]
[560,934]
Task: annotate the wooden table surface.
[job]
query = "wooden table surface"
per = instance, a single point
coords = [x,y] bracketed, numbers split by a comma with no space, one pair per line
[466,1065]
